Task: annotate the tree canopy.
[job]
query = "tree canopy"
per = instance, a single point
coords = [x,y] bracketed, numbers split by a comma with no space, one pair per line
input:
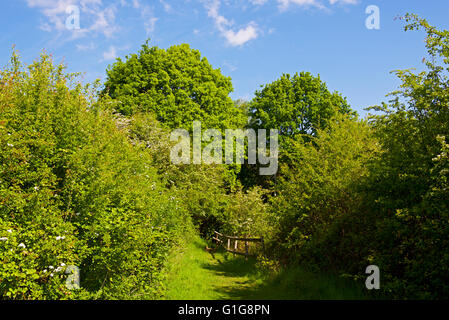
[298,104]
[176,84]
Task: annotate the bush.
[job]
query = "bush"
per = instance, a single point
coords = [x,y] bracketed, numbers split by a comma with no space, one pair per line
[318,196]
[409,182]
[76,191]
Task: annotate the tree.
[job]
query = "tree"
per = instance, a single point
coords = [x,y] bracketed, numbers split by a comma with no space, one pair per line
[409,182]
[318,192]
[298,105]
[177,85]
[301,104]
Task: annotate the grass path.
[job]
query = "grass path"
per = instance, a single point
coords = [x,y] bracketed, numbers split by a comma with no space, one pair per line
[196,274]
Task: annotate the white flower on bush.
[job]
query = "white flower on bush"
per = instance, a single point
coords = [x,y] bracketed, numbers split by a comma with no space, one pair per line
[21,245]
[51,267]
[3,239]
[9,230]
[58,269]
[60,237]
[62,264]
[45,270]
[10,145]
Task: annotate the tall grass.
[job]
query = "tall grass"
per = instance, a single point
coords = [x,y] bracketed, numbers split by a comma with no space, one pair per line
[199,275]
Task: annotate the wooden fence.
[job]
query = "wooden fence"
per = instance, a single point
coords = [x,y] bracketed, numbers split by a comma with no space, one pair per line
[230,243]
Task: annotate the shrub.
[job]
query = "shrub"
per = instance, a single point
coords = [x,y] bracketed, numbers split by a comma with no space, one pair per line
[74,190]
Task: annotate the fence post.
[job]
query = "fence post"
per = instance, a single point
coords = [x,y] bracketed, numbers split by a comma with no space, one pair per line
[236,239]
[235,246]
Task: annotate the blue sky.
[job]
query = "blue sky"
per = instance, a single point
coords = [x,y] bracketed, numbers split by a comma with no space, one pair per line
[252,41]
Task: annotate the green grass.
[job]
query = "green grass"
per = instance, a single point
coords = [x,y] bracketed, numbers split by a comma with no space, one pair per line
[196,274]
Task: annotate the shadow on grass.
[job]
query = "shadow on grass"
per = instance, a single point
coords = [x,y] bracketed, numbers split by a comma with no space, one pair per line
[250,283]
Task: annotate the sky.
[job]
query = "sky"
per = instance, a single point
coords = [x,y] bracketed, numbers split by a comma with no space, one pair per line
[252,41]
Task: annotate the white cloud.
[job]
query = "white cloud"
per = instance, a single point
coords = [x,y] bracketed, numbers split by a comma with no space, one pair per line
[167,6]
[111,54]
[242,36]
[258,2]
[284,4]
[105,21]
[149,19]
[86,47]
[146,12]
[136,4]
[343,1]
[234,38]
[150,24]
[230,66]
[45,27]
[95,18]
[252,31]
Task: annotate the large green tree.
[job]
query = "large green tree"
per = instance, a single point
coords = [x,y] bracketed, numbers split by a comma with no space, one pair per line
[295,105]
[176,84]
[298,104]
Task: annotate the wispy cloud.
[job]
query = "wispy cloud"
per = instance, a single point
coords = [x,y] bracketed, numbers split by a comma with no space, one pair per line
[86,47]
[230,66]
[343,1]
[238,37]
[167,6]
[110,54]
[258,2]
[234,38]
[96,18]
[146,13]
[149,20]
[284,4]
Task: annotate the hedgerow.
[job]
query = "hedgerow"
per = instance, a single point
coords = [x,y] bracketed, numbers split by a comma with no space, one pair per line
[75,190]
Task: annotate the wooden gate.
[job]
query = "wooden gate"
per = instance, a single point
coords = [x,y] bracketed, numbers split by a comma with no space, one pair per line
[231,243]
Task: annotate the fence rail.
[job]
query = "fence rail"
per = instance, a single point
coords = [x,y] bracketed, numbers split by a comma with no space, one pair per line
[222,239]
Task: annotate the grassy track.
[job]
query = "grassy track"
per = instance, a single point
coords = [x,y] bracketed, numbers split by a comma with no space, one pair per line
[198,275]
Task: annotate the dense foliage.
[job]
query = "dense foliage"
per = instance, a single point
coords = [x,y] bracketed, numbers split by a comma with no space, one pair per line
[294,105]
[75,191]
[175,84]
[358,195]
[409,185]
[298,104]
[318,189]
[86,178]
